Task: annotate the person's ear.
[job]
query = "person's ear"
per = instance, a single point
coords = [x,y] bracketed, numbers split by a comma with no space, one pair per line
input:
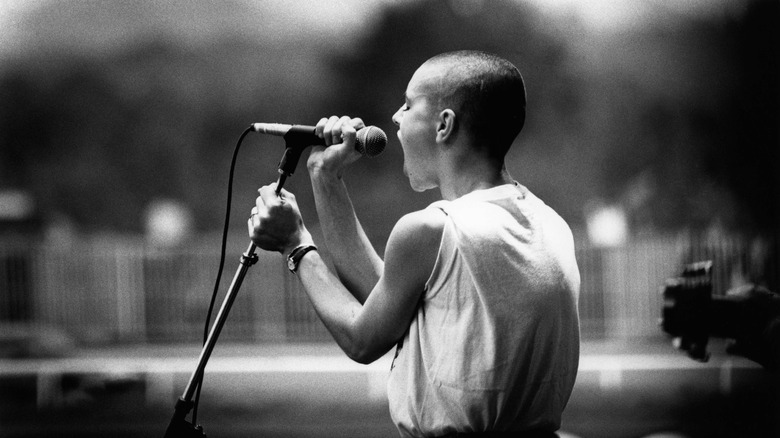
[445,129]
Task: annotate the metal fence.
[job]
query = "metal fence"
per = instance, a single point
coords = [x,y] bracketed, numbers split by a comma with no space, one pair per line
[104,291]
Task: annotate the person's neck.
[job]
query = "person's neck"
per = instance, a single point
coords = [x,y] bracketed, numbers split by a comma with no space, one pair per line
[457,181]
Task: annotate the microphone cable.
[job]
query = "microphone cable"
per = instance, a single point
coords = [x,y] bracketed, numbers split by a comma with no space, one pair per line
[221,267]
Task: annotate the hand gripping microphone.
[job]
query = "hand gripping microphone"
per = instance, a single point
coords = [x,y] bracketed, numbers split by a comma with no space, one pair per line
[369,141]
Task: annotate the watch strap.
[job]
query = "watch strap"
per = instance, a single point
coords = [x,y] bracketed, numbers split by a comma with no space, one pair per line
[296,255]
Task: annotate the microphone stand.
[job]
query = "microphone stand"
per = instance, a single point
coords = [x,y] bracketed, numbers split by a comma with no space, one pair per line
[179,427]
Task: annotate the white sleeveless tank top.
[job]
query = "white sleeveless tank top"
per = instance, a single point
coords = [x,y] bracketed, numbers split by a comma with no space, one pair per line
[495,342]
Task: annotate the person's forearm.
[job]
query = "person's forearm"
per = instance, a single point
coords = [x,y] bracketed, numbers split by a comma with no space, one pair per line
[357,263]
[337,308]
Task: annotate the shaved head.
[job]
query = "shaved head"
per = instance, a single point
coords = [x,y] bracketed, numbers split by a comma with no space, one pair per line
[486,92]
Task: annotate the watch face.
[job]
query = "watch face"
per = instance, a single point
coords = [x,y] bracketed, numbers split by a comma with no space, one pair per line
[290,264]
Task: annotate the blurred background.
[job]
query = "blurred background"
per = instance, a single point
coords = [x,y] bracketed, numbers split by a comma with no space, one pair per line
[652,129]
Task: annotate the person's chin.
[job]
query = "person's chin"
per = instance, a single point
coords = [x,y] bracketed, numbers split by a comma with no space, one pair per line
[420,187]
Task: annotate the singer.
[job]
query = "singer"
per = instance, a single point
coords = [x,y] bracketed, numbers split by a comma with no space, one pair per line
[477,293]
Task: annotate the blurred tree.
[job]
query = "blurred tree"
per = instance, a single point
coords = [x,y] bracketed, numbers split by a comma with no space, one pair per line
[689,125]
[97,137]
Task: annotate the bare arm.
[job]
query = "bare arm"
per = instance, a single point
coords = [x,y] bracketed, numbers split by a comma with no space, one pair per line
[358,265]
[365,331]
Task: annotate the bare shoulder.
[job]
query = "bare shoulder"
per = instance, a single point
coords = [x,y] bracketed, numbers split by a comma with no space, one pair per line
[423,226]
[413,247]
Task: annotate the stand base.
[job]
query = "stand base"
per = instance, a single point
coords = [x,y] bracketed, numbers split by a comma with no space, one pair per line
[179,427]
[184,429]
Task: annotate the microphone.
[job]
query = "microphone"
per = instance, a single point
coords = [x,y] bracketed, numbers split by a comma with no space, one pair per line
[369,141]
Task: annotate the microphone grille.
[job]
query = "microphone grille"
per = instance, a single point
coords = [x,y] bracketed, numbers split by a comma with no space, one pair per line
[371,141]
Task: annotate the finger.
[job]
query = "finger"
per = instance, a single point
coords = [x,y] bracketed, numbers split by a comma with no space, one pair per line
[338,129]
[253,222]
[327,135]
[320,127]
[358,124]
[254,219]
[268,196]
[348,134]
[284,197]
[259,209]
[284,194]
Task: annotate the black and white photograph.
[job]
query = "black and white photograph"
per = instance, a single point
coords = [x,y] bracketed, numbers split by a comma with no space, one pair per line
[390,218]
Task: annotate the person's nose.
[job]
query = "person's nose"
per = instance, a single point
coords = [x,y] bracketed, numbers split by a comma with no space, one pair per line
[397,116]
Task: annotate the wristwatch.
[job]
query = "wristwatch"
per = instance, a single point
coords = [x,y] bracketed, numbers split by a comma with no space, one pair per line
[296,255]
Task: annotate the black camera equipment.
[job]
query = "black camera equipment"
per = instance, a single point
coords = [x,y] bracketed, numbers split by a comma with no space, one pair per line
[748,315]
